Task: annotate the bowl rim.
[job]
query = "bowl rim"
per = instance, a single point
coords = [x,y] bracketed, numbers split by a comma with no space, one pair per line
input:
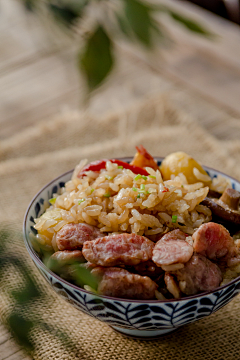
[36,259]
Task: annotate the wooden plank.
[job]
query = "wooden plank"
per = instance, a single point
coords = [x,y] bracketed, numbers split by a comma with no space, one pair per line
[218,82]
[131,82]
[16,40]
[35,84]
[209,68]
[4,335]
[225,44]
[35,89]
[42,112]
[19,355]
[26,37]
[10,349]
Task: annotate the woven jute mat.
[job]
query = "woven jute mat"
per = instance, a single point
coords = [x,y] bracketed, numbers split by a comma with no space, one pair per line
[31,159]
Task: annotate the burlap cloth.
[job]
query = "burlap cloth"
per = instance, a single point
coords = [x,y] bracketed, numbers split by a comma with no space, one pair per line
[31,159]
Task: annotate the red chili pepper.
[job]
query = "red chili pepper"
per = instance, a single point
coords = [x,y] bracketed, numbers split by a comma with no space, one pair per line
[101,164]
[165,189]
[135,169]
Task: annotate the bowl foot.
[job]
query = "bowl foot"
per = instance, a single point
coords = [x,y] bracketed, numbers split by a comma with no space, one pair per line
[142,334]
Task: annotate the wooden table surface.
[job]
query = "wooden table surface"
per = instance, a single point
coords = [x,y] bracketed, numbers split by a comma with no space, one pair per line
[37,79]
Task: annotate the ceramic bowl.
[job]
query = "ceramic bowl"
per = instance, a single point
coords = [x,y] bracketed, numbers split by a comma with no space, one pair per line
[136,318]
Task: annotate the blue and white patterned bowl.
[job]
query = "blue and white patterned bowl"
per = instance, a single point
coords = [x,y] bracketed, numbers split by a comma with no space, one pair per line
[137,318]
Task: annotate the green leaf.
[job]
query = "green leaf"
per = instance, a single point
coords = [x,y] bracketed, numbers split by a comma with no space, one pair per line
[97,60]
[139,16]
[190,24]
[28,293]
[20,329]
[67,13]
[29,4]
[83,276]
[140,20]
[123,25]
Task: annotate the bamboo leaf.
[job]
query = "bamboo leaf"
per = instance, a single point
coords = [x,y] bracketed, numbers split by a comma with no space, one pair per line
[97,60]
[83,276]
[29,293]
[67,13]
[189,24]
[21,328]
[140,20]
[30,4]
[123,25]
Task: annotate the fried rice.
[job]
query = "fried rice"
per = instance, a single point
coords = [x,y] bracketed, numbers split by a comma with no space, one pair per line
[116,200]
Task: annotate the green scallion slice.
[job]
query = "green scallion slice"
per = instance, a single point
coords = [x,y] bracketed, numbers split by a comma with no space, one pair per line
[152,177]
[107,195]
[80,201]
[92,190]
[174,218]
[134,189]
[107,177]
[144,177]
[138,196]
[142,187]
[52,201]
[138,177]
[120,167]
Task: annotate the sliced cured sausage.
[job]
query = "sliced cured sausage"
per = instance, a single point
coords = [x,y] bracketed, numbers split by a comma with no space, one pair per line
[72,236]
[68,257]
[127,249]
[61,263]
[172,248]
[120,283]
[174,235]
[148,268]
[199,274]
[213,241]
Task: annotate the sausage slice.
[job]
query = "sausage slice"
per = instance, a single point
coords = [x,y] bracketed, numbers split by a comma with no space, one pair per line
[127,249]
[68,257]
[199,274]
[120,283]
[213,241]
[72,236]
[171,249]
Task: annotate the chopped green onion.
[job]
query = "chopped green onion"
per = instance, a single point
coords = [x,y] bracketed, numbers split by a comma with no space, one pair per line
[92,190]
[120,167]
[134,189]
[52,201]
[153,177]
[138,177]
[142,186]
[181,185]
[138,196]
[107,195]
[144,177]
[174,218]
[80,201]
[107,177]
[142,192]
[89,288]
